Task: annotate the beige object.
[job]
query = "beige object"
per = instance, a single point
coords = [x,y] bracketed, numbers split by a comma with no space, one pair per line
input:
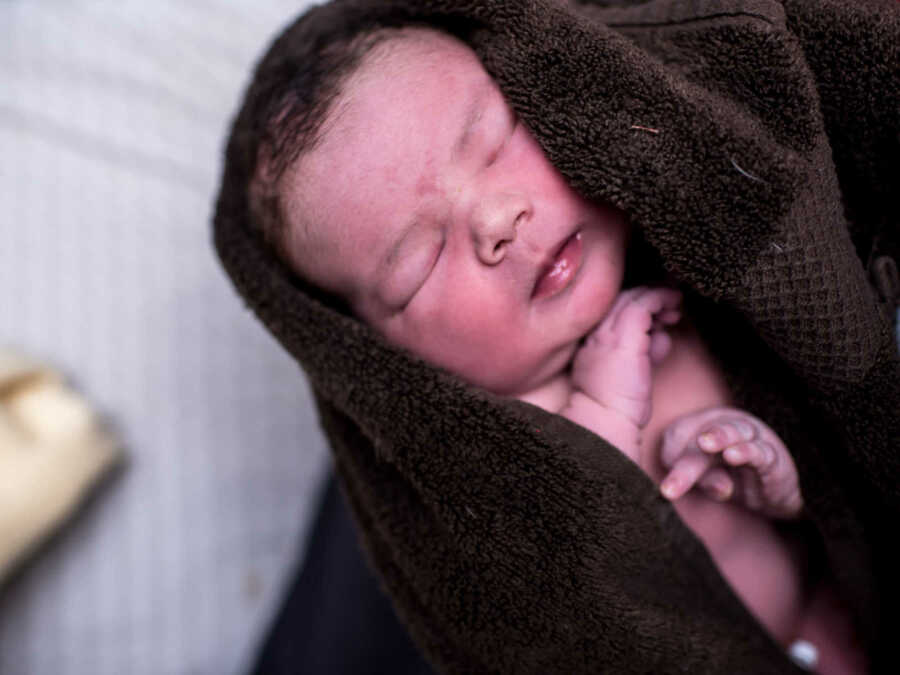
[52,451]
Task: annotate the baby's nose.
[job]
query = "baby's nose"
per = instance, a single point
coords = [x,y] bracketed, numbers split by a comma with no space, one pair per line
[494,223]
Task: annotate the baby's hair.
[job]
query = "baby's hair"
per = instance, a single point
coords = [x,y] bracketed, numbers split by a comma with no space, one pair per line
[296,88]
[298,99]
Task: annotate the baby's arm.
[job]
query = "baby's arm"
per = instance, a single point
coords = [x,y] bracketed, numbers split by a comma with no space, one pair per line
[611,373]
[731,454]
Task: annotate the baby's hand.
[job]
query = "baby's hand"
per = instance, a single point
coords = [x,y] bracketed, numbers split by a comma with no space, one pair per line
[730,454]
[613,367]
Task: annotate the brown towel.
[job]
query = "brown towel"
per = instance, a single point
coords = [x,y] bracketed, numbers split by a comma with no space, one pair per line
[512,540]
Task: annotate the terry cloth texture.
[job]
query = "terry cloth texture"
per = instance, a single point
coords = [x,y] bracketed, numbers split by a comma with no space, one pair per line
[514,541]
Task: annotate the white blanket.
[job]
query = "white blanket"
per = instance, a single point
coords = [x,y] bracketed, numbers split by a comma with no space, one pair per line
[112,117]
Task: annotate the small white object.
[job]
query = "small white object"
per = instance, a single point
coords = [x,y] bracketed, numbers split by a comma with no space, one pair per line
[804,654]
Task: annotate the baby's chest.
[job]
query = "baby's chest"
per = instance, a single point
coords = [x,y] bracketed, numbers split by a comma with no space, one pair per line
[687,381]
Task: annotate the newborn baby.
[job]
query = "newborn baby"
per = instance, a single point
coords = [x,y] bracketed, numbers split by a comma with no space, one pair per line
[423,202]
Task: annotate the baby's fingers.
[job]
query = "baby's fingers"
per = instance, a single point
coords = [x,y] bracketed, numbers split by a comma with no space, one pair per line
[724,434]
[717,484]
[666,317]
[651,308]
[660,345]
[757,454]
[772,493]
[686,471]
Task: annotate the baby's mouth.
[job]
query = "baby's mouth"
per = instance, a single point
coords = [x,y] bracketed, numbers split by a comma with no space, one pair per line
[556,275]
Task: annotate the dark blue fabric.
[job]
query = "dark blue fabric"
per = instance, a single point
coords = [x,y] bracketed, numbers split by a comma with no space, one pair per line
[335,619]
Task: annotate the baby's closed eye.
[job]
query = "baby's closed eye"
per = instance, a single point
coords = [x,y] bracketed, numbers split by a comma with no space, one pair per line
[411,264]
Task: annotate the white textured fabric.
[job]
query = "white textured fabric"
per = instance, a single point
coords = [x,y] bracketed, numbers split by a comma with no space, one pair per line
[112,119]
[804,653]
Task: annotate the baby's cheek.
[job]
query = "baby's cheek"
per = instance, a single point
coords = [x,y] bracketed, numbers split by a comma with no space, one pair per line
[493,357]
[602,285]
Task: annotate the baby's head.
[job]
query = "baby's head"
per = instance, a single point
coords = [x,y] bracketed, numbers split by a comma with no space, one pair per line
[418,197]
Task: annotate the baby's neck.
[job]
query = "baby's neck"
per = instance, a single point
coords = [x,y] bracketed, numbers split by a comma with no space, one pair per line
[553,395]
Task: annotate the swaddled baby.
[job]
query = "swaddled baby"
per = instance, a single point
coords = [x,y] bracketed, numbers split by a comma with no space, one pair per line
[420,199]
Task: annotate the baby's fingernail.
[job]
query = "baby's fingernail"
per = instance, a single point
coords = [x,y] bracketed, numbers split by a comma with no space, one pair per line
[669,488]
[722,491]
[707,441]
[733,455]
[744,429]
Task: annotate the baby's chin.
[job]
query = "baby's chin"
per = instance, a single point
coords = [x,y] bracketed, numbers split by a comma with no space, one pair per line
[522,380]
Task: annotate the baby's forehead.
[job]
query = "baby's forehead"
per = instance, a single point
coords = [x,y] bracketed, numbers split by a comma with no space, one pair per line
[401,54]
[400,109]
[407,50]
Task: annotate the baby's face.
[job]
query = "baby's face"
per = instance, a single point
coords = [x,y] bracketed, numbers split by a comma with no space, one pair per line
[441,221]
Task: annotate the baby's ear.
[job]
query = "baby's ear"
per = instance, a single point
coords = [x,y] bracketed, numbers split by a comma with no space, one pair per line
[262,186]
[265,169]
[264,201]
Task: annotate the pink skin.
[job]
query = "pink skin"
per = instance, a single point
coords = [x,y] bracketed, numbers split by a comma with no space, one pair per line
[614,366]
[730,454]
[469,289]
[478,257]
[726,452]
